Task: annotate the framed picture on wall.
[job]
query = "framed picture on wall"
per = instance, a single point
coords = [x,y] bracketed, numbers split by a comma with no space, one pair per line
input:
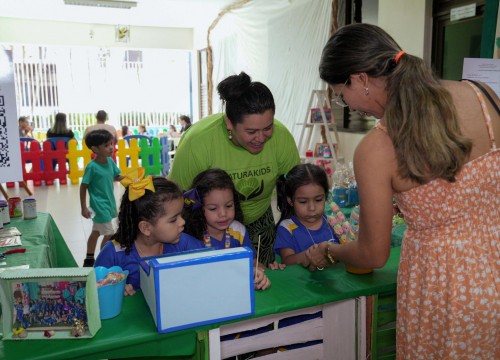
[122,33]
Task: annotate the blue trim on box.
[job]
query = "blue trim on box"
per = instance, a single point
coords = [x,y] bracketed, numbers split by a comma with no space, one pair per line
[153,264]
[188,262]
[187,326]
[157,299]
[252,291]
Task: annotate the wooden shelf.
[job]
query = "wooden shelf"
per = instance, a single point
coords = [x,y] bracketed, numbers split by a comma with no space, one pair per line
[312,133]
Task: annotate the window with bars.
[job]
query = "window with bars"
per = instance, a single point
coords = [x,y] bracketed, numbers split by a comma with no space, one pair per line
[132,59]
[36,84]
[147,86]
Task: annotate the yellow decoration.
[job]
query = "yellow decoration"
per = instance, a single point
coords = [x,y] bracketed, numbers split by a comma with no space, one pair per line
[136,184]
[137,189]
[132,176]
[17,331]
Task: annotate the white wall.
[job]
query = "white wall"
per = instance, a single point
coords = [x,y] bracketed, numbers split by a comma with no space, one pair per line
[409,23]
[23,31]
[348,143]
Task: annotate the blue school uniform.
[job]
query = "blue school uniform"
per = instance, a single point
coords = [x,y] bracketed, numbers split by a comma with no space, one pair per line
[114,255]
[292,234]
[238,236]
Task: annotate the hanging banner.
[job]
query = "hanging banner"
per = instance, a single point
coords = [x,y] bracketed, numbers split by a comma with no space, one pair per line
[10,151]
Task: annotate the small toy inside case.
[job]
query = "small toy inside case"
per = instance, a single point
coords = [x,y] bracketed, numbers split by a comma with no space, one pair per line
[55,303]
[198,288]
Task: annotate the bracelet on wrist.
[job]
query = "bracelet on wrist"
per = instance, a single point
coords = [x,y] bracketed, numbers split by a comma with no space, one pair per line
[328,255]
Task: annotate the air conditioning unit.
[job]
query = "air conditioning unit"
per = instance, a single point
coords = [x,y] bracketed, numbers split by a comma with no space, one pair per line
[120,4]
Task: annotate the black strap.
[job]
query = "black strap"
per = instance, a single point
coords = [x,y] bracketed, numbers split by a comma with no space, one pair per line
[485,93]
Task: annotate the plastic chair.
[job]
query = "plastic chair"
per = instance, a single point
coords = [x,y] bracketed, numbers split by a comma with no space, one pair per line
[78,135]
[27,145]
[164,155]
[27,142]
[53,141]
[138,137]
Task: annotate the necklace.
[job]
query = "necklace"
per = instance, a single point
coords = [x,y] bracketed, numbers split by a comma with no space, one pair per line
[312,239]
[208,242]
[142,255]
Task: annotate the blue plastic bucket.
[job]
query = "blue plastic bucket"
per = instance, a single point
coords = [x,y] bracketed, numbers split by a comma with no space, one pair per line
[110,296]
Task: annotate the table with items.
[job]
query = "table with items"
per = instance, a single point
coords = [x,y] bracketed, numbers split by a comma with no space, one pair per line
[133,332]
[344,298]
[44,244]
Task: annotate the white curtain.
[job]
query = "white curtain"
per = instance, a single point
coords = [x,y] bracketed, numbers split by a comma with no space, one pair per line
[278,43]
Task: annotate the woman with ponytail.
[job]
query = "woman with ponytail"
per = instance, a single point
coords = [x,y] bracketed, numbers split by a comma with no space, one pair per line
[435,151]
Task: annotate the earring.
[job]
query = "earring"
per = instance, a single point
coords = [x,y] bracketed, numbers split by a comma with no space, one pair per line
[230,134]
[366,91]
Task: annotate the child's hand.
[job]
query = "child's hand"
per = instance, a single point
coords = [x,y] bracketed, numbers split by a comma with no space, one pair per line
[86,213]
[261,281]
[276,266]
[316,257]
[129,290]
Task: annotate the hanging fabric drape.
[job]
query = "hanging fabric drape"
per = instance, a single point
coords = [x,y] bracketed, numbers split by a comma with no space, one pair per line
[224,11]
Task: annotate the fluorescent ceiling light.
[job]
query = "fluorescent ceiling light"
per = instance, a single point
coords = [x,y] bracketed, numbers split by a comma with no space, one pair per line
[120,4]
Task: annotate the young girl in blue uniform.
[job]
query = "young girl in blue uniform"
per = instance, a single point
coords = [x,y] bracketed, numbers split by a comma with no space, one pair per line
[302,194]
[150,223]
[213,215]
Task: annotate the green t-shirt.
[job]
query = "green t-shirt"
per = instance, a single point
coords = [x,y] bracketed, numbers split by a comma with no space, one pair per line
[206,145]
[99,179]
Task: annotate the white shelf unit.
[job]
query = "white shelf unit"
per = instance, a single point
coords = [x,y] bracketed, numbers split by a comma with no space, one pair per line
[311,132]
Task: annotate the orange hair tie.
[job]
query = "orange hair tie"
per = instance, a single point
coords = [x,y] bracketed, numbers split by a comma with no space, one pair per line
[398,56]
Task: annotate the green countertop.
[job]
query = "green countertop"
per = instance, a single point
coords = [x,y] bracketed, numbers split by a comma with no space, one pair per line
[133,333]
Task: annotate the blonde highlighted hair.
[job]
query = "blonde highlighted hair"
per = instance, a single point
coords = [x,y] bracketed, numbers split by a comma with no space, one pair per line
[420,116]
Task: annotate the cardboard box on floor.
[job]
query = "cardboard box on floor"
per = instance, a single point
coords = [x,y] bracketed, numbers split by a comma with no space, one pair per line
[198,288]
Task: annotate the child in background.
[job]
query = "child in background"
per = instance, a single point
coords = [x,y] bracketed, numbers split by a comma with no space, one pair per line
[213,215]
[302,194]
[150,223]
[98,180]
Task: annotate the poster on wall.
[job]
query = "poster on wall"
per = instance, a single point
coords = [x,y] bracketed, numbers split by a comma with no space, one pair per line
[10,151]
[484,70]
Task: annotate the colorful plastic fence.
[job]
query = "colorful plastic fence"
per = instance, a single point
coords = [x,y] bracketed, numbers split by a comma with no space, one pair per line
[44,164]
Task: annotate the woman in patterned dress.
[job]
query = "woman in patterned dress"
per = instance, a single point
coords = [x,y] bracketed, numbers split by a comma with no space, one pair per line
[436,151]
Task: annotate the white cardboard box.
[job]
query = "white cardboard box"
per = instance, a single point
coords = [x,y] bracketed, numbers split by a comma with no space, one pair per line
[198,288]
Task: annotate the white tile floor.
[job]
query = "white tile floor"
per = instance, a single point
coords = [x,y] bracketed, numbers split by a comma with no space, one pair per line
[63,203]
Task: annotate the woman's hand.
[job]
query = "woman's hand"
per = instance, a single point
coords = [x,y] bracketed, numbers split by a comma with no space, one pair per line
[261,281]
[129,290]
[277,266]
[316,256]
